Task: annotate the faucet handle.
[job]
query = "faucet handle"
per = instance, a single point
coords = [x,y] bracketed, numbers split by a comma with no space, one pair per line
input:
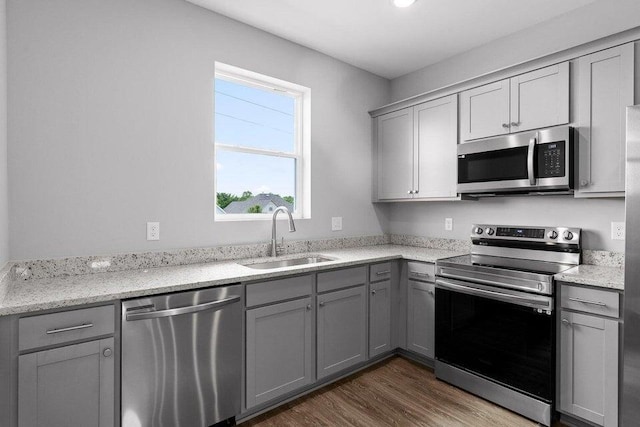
[280,247]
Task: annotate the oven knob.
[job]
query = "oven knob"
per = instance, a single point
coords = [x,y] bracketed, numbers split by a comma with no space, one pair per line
[568,235]
[478,230]
[490,231]
[553,234]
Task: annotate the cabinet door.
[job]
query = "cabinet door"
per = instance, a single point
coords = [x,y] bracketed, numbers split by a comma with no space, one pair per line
[540,98]
[380,318]
[589,368]
[395,155]
[279,358]
[67,387]
[436,141]
[605,89]
[485,111]
[421,318]
[342,330]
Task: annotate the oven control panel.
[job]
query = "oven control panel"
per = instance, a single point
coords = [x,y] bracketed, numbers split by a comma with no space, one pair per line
[565,235]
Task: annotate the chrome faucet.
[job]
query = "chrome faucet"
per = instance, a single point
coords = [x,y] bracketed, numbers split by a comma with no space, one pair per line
[275,247]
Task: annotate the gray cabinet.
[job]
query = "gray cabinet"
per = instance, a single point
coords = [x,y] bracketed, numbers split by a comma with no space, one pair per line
[528,101]
[421,317]
[342,330]
[606,88]
[279,355]
[379,318]
[68,386]
[417,151]
[588,355]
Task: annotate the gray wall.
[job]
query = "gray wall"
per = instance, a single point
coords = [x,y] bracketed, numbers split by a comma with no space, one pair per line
[594,21]
[110,107]
[593,216]
[4,188]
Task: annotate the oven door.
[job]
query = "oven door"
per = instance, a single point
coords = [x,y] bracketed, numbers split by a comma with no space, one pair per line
[502,335]
[530,161]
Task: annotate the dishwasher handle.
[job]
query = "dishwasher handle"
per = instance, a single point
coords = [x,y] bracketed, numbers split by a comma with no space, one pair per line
[213,305]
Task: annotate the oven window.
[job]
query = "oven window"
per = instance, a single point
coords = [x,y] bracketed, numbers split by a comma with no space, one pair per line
[499,165]
[507,343]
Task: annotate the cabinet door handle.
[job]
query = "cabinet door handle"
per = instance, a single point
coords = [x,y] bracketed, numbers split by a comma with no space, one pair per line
[321,303]
[373,292]
[515,123]
[70,328]
[430,292]
[107,352]
[382,273]
[566,322]
[420,274]
[505,125]
[584,301]
[410,192]
[308,306]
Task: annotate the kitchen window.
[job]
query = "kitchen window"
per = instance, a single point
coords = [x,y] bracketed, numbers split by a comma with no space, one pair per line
[262,145]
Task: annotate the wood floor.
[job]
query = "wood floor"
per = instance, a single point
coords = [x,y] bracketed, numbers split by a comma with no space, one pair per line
[396,392]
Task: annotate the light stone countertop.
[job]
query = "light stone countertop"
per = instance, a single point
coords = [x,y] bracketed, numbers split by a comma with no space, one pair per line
[594,275]
[50,293]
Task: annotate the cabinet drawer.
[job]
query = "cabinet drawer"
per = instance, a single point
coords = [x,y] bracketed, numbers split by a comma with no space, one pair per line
[279,290]
[339,279]
[378,272]
[423,271]
[65,326]
[594,301]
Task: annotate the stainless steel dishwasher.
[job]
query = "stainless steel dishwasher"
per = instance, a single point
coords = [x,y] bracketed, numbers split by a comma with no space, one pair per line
[181,358]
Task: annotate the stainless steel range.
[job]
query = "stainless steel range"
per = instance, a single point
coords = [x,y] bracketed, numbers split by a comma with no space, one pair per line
[495,318]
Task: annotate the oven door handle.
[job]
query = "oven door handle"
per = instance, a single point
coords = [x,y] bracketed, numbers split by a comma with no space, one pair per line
[530,159]
[529,301]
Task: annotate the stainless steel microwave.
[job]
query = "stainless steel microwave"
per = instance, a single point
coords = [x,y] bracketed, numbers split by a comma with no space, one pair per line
[540,161]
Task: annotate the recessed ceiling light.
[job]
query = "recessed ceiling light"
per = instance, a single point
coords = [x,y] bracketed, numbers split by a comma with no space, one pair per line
[403,3]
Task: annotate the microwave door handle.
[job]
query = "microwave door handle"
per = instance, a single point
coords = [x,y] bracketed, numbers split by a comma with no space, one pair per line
[530,154]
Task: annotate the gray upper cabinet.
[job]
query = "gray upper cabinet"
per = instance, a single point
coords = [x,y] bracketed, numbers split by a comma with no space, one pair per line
[279,355]
[533,100]
[342,330]
[421,318]
[379,318]
[416,151]
[395,155]
[605,89]
[71,386]
[436,142]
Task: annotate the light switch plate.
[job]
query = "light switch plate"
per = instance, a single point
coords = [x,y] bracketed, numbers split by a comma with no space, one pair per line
[153,231]
[617,230]
[336,223]
[448,224]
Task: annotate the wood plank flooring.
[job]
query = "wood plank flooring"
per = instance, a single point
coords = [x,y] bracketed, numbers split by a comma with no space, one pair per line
[396,392]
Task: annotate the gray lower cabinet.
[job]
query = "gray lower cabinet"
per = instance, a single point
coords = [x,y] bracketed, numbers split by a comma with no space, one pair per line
[67,386]
[589,367]
[420,318]
[342,330]
[279,350]
[379,318]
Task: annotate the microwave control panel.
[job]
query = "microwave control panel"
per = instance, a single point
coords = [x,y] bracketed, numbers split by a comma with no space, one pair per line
[551,159]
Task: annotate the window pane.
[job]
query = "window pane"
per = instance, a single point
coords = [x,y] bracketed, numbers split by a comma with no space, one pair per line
[253,117]
[253,183]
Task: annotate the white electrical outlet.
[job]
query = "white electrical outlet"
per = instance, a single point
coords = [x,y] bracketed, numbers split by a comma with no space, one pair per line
[617,231]
[336,223]
[153,231]
[448,224]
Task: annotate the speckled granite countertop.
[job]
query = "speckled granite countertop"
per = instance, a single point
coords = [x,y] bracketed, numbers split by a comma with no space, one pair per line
[594,275]
[42,294]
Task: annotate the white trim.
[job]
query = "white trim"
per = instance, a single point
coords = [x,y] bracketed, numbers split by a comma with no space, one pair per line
[301,153]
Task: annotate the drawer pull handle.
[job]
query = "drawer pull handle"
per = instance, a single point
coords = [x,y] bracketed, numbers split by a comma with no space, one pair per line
[566,322]
[381,273]
[420,274]
[584,301]
[70,328]
[430,292]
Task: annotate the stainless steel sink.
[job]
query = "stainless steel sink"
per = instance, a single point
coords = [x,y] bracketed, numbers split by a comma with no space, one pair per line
[288,262]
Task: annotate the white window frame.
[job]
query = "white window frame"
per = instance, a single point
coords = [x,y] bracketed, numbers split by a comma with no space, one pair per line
[302,140]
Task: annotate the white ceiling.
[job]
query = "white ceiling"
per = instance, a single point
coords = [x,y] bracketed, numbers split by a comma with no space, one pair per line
[388,41]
